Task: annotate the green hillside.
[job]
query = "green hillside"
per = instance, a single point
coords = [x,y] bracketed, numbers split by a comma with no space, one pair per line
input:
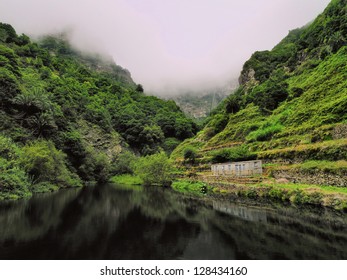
[68,117]
[290,109]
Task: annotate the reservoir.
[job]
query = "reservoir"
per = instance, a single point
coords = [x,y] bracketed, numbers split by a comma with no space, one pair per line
[131,223]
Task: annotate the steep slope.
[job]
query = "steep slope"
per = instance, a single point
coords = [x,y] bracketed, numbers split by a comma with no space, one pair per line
[291,106]
[67,117]
[198,105]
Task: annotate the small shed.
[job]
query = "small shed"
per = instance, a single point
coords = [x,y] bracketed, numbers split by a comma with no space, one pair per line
[241,168]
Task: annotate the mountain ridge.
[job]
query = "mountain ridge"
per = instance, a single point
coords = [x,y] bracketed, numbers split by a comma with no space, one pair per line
[67,118]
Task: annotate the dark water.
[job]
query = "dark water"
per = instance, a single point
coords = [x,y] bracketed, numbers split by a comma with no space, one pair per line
[110,222]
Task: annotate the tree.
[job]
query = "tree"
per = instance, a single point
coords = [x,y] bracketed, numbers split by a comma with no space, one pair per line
[190,155]
[123,163]
[154,169]
[139,88]
[233,104]
[44,163]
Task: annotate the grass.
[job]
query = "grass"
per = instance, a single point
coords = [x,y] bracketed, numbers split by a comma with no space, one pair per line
[327,150]
[335,167]
[184,186]
[307,187]
[264,133]
[294,194]
[126,179]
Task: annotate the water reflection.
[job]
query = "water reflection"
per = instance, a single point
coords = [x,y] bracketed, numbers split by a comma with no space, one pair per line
[114,222]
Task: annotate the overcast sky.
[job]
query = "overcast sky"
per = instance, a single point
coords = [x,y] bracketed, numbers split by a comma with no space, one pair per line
[168,44]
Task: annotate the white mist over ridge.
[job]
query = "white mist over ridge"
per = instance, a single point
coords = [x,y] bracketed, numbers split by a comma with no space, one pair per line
[168,46]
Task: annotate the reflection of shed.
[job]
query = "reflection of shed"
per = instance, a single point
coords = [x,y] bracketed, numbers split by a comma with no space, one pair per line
[245,213]
[242,168]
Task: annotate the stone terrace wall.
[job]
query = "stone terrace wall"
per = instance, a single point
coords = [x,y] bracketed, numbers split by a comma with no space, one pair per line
[317,178]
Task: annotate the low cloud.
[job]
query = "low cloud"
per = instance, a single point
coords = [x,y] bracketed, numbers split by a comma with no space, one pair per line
[168,46]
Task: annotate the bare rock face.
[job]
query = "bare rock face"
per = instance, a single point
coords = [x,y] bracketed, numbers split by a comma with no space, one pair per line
[247,78]
[282,181]
[316,178]
[108,143]
[340,131]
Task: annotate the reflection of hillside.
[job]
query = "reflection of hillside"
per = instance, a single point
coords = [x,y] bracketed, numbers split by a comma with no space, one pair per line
[30,219]
[283,237]
[108,222]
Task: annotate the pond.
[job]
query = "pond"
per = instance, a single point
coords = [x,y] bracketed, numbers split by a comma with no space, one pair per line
[119,222]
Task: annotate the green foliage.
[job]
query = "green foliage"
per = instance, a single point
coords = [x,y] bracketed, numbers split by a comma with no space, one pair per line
[139,88]
[170,144]
[328,150]
[43,187]
[335,167]
[233,103]
[190,155]
[8,88]
[299,197]
[43,162]
[36,112]
[183,186]
[8,150]
[239,126]
[126,179]
[265,132]
[95,166]
[238,153]
[7,33]
[154,169]
[14,182]
[217,124]
[123,163]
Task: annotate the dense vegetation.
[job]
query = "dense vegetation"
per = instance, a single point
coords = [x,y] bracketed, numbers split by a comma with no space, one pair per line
[291,106]
[68,117]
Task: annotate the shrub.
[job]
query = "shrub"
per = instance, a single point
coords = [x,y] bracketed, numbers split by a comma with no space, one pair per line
[8,149]
[154,169]
[237,153]
[43,187]
[14,181]
[123,163]
[96,166]
[264,133]
[170,144]
[190,155]
[126,179]
[43,162]
[190,187]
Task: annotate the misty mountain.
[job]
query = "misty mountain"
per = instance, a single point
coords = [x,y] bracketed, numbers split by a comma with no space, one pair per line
[199,105]
[291,107]
[58,44]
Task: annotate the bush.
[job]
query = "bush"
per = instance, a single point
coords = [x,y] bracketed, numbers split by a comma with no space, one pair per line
[170,144]
[238,153]
[96,166]
[43,187]
[190,187]
[190,155]
[8,149]
[43,162]
[264,133]
[123,163]
[154,169]
[126,179]
[14,182]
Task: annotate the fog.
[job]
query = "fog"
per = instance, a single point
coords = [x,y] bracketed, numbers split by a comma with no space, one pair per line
[168,46]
